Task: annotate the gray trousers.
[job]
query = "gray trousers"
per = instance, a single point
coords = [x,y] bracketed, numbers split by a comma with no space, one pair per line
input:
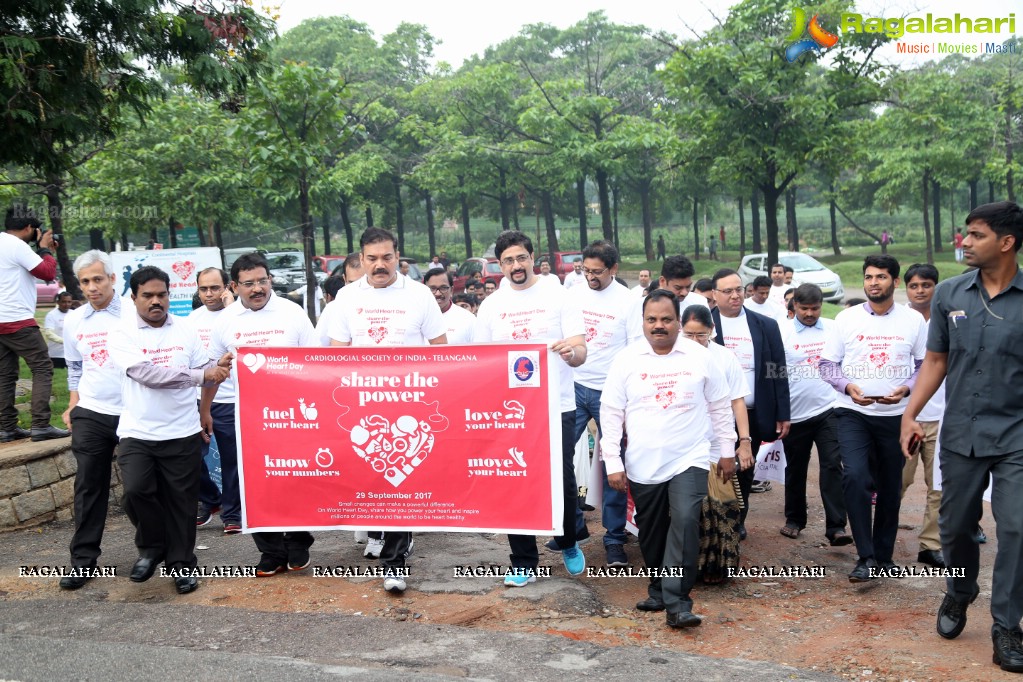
[668,516]
[964,480]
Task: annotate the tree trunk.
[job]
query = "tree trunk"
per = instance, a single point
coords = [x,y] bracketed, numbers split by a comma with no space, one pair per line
[614,215]
[201,233]
[369,218]
[308,244]
[834,221]
[431,234]
[95,238]
[696,229]
[771,221]
[326,232]
[1010,191]
[856,227]
[399,213]
[219,237]
[124,240]
[790,218]
[990,191]
[55,205]
[548,219]
[346,223]
[502,180]
[604,197]
[172,233]
[926,206]
[952,215]
[973,195]
[754,208]
[515,214]
[463,199]
[648,220]
[742,230]
[580,200]
[153,234]
[936,201]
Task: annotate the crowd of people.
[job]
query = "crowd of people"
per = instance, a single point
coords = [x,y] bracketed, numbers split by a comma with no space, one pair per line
[683,381]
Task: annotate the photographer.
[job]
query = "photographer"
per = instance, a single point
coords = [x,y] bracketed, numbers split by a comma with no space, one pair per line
[19,333]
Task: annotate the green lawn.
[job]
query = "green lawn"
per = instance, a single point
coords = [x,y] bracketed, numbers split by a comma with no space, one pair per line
[60,392]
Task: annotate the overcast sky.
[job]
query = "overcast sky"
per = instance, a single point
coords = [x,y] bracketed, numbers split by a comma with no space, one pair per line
[467,28]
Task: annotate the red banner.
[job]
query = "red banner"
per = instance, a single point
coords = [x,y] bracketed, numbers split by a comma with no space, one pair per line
[427,438]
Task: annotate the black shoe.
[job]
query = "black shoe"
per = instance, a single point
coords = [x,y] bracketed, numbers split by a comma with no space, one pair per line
[269,565]
[580,540]
[298,560]
[650,604]
[742,532]
[888,569]
[931,557]
[16,434]
[1008,649]
[186,584]
[616,556]
[980,537]
[952,616]
[839,538]
[682,619]
[862,572]
[205,514]
[49,433]
[144,569]
[74,582]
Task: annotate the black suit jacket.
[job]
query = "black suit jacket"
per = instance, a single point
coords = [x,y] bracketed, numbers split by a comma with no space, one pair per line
[770,385]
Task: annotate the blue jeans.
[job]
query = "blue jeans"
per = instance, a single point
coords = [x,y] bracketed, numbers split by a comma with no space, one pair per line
[612,511]
[230,500]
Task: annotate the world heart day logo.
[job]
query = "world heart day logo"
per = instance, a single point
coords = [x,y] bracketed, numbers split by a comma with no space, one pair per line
[393,449]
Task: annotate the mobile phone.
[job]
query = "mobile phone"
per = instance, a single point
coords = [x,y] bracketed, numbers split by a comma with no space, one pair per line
[915,441]
[874,397]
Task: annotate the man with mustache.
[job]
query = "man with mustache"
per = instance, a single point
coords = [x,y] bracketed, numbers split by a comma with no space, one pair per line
[258,318]
[384,299]
[458,320]
[160,450]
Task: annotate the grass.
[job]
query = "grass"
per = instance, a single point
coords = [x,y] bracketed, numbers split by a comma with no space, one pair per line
[59,391]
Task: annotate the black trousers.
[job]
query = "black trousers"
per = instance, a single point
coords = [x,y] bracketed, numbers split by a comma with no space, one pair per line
[746,476]
[280,545]
[819,430]
[161,492]
[523,547]
[93,439]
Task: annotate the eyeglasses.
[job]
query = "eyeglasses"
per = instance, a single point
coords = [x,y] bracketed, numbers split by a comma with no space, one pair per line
[262,281]
[594,273]
[521,259]
[211,290]
[698,337]
[440,290]
[730,292]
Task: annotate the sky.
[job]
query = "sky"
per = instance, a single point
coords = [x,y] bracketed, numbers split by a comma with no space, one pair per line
[467,28]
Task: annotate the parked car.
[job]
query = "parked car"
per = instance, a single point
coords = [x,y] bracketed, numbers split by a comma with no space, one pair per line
[288,270]
[561,262]
[46,292]
[488,267]
[327,264]
[413,268]
[807,270]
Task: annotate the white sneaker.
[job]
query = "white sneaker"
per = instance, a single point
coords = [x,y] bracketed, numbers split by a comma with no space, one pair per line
[361,536]
[373,548]
[394,584]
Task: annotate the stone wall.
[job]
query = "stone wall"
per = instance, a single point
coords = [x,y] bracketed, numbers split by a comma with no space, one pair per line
[37,483]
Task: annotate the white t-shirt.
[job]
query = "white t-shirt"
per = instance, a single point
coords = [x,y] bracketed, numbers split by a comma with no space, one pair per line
[459,323]
[157,414]
[86,334]
[777,295]
[734,377]
[809,395]
[575,278]
[934,410]
[639,290]
[606,316]
[55,322]
[278,323]
[877,353]
[325,320]
[539,314]
[202,318]
[667,414]
[403,313]
[17,283]
[738,339]
[548,277]
[636,316]
[769,309]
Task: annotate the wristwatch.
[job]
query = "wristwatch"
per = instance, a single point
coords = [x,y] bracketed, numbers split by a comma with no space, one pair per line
[747,438]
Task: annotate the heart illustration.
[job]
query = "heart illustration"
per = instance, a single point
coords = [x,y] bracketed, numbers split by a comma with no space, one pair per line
[183,268]
[237,335]
[377,333]
[643,376]
[254,361]
[393,450]
[665,398]
[859,337]
[521,334]
[879,359]
[100,356]
[795,347]
[591,333]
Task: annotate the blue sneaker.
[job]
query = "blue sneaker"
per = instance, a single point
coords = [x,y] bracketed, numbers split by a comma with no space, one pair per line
[574,560]
[519,577]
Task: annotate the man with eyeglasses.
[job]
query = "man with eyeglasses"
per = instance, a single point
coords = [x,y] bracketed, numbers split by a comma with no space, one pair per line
[458,320]
[525,311]
[386,308]
[756,341]
[257,318]
[676,277]
[215,295]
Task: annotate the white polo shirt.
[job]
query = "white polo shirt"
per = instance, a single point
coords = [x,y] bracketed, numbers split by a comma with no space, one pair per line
[157,414]
[777,294]
[670,403]
[278,323]
[877,353]
[636,316]
[86,335]
[459,323]
[575,279]
[17,283]
[325,320]
[606,318]
[809,395]
[734,377]
[769,309]
[202,318]
[404,313]
[55,323]
[539,314]
[934,410]
[738,339]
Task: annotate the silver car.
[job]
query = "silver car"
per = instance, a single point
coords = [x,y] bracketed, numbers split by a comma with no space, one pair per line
[807,270]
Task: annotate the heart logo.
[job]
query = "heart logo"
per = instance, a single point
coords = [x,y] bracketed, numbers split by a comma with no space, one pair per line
[795,347]
[859,337]
[643,376]
[79,337]
[665,398]
[504,315]
[591,333]
[183,269]
[377,333]
[100,356]
[254,361]
[144,351]
[521,334]
[358,311]
[237,335]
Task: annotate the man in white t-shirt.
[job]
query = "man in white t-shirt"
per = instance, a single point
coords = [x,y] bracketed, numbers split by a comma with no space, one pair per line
[94,406]
[644,282]
[19,333]
[606,306]
[53,330]
[812,403]
[160,450]
[872,360]
[258,318]
[778,287]
[386,308]
[676,277]
[667,392]
[545,273]
[458,321]
[761,302]
[215,295]
[527,312]
[576,276]
[921,279]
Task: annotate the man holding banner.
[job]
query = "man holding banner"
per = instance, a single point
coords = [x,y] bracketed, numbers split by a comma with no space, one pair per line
[525,311]
[386,308]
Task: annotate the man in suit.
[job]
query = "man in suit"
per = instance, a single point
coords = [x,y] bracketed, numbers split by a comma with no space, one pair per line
[756,341]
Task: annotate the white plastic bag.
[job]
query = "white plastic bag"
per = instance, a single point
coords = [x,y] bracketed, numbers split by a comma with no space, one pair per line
[770,464]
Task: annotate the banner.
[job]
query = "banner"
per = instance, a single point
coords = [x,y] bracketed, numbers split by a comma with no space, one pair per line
[434,438]
[181,265]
